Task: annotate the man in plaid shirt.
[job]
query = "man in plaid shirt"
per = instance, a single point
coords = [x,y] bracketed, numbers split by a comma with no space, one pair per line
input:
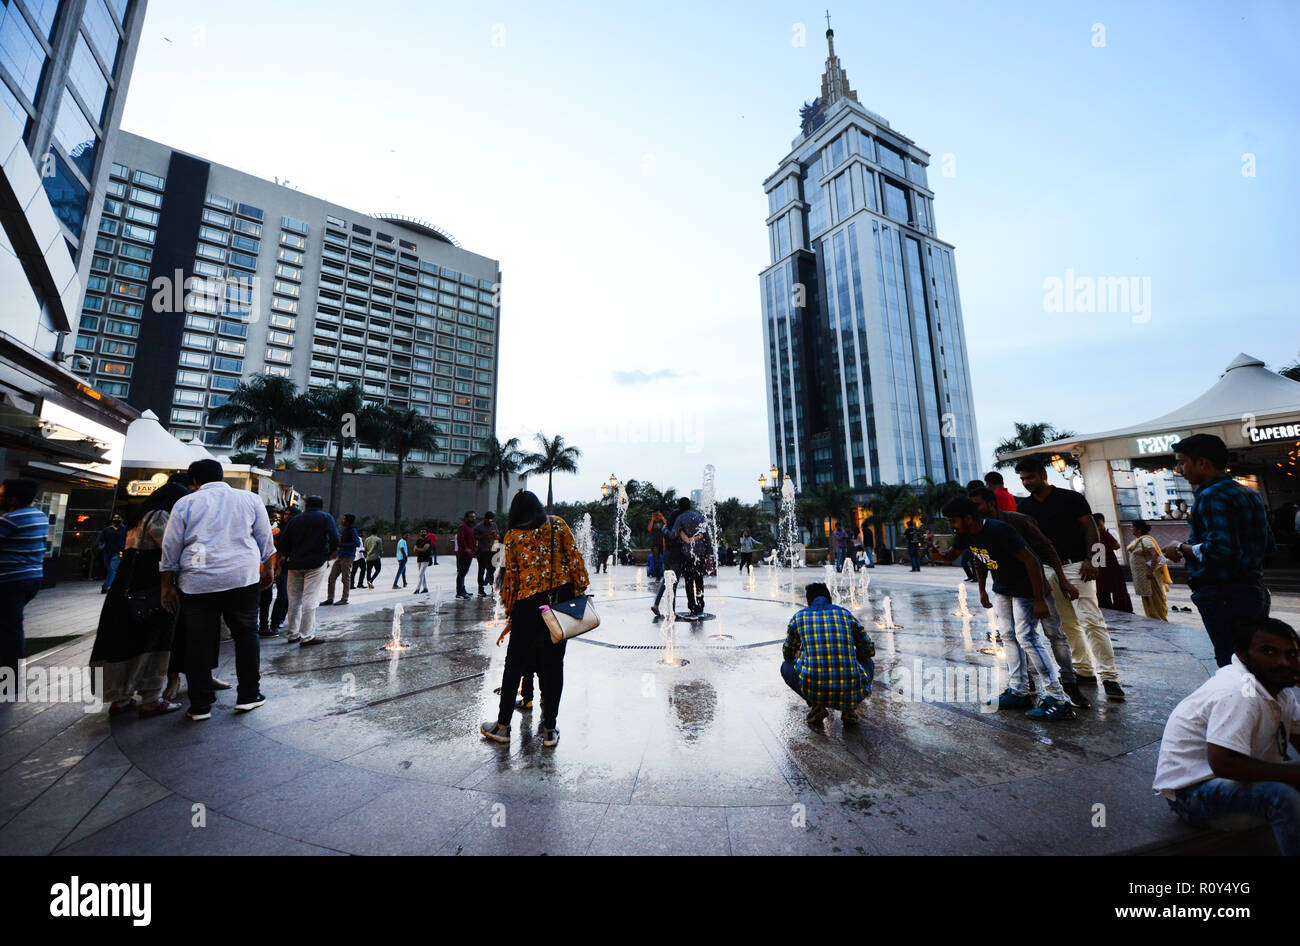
[827,657]
[1229,542]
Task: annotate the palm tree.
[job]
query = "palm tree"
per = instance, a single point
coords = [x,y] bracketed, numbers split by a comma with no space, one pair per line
[1030,435]
[554,457]
[341,414]
[401,431]
[934,496]
[1291,371]
[247,458]
[263,407]
[497,461]
[826,501]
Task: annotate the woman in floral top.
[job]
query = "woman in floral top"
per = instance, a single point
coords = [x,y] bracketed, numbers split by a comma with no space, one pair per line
[540,555]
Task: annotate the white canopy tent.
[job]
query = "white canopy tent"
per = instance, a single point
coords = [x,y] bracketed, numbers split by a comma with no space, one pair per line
[150,447]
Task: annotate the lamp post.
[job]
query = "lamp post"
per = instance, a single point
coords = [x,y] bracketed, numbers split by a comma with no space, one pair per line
[772,492]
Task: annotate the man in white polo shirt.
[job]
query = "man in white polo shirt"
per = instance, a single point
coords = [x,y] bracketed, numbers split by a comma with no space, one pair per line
[1223,758]
[216,543]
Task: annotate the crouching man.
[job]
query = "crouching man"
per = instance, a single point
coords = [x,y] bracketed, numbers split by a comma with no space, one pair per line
[827,657]
[1223,758]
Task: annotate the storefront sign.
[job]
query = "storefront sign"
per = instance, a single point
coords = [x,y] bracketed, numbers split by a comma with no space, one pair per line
[1158,444]
[1276,432]
[145,487]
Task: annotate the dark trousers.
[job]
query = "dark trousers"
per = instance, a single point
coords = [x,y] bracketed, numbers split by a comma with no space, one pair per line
[463,563]
[358,572]
[401,573]
[968,565]
[485,571]
[601,559]
[277,614]
[746,560]
[693,574]
[1223,607]
[791,676]
[201,617]
[14,596]
[530,651]
[914,556]
[372,570]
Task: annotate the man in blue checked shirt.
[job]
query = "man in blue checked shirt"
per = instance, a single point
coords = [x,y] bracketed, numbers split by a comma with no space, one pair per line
[23,531]
[1228,544]
[827,657]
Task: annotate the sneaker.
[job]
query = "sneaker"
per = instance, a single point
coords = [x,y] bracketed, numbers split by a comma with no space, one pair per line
[550,737]
[371,584]
[654,609]
[325,604]
[308,641]
[243,706]
[198,715]
[267,632]
[816,715]
[1052,708]
[1011,700]
[219,684]
[1114,692]
[495,731]
[1085,679]
[524,706]
[1075,695]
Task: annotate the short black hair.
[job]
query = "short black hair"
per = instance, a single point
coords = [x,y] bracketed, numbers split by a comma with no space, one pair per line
[984,493]
[349,518]
[21,491]
[974,485]
[1204,447]
[489,514]
[1140,527]
[1244,633]
[993,478]
[1031,465]
[203,472]
[816,590]
[468,513]
[959,507]
[683,503]
[315,502]
[1099,517]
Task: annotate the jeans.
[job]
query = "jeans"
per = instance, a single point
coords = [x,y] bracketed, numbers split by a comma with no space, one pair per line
[655,565]
[463,563]
[914,556]
[869,556]
[485,571]
[1025,648]
[110,568]
[1225,804]
[663,581]
[421,583]
[840,555]
[373,565]
[968,565]
[1223,607]
[529,650]
[201,616]
[791,676]
[342,568]
[1084,626]
[1051,626]
[14,596]
[303,586]
[401,573]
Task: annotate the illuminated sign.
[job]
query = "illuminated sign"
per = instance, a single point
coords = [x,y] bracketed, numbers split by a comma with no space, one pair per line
[145,487]
[1158,443]
[1276,432]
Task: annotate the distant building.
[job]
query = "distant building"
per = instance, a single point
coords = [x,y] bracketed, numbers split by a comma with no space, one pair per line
[867,377]
[259,278]
[1158,491]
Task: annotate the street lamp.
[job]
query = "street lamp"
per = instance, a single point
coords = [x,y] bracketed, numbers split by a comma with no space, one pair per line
[1059,463]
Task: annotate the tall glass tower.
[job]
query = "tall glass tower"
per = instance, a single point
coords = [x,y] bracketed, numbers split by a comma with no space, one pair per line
[867,373]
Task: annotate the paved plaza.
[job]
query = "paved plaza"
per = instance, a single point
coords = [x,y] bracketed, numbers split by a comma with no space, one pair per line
[362,751]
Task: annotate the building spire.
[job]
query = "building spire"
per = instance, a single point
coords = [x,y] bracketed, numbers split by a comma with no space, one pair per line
[835,82]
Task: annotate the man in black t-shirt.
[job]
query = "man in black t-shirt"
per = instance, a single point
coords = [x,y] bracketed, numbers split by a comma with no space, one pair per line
[1065,518]
[1020,603]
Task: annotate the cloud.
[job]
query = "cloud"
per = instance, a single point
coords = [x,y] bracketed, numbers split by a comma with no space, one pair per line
[629,378]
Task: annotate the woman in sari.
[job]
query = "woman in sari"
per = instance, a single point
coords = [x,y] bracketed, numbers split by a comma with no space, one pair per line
[1150,578]
[1112,592]
[133,646]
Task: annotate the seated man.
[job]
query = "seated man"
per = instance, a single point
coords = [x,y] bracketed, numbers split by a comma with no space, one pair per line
[827,657]
[1223,757]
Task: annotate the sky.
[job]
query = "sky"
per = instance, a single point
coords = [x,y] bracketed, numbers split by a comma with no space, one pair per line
[612,158]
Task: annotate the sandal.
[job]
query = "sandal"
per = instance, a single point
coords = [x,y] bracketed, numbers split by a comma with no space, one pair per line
[159,708]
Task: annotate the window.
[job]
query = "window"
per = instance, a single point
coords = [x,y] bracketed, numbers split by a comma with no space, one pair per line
[294,242]
[193,378]
[245,243]
[279,338]
[114,388]
[295,258]
[134,231]
[120,369]
[229,347]
[282,321]
[279,355]
[148,198]
[93,303]
[123,349]
[202,322]
[221,203]
[224,384]
[145,179]
[247,210]
[195,360]
[237,329]
[216,218]
[248,227]
[131,251]
[194,340]
[85,343]
[220,363]
[186,416]
[129,309]
[192,398]
[214,235]
[297,226]
[243,260]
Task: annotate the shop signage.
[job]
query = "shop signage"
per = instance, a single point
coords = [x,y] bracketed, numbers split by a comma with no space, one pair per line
[1289,431]
[145,487]
[1158,444]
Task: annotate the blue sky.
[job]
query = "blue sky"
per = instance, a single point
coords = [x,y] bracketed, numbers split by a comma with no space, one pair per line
[612,156]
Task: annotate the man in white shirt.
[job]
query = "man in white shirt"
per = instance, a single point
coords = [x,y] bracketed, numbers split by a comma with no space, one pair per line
[1223,758]
[213,552]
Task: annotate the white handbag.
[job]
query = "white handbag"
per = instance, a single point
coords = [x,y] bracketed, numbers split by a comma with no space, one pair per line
[567,619]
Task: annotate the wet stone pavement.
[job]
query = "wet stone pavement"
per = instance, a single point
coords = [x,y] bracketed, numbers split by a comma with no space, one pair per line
[360,750]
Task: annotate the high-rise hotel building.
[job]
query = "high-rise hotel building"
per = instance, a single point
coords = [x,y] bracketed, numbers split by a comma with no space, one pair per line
[275,281]
[862,327]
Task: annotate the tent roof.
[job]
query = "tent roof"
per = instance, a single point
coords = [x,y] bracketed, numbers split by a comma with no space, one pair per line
[1247,388]
[150,446]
